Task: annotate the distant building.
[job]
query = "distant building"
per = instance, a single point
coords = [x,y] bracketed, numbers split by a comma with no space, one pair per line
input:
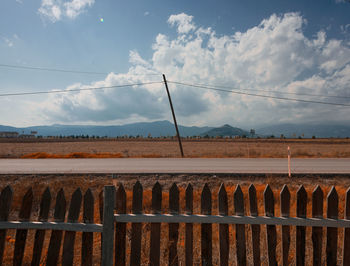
[8,134]
[26,136]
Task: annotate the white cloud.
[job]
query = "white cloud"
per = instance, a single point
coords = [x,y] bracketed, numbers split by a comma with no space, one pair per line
[274,55]
[55,10]
[146,13]
[183,22]
[75,7]
[10,41]
[345,28]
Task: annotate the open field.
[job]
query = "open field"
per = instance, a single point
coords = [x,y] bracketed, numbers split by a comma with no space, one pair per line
[149,148]
[21,183]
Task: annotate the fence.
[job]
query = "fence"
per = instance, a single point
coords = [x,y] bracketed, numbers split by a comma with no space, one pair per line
[57,227]
[114,237]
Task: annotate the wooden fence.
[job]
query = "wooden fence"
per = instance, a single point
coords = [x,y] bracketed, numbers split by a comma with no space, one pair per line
[115,219]
[58,226]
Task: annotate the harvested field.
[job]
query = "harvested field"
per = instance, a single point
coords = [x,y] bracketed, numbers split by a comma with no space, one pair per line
[221,148]
[21,183]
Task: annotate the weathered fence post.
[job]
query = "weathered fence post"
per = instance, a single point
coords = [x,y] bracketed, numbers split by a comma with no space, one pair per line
[88,237]
[136,228]
[189,227]
[332,232]
[256,227]
[108,226]
[56,235]
[346,242]
[69,236]
[5,206]
[223,228]
[120,230]
[271,237]
[238,201]
[40,234]
[206,229]
[285,212]
[154,258]
[301,230]
[174,208]
[317,212]
[21,234]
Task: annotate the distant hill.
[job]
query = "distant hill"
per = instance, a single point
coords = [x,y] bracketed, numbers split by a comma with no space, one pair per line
[166,128]
[306,130]
[225,130]
[156,129]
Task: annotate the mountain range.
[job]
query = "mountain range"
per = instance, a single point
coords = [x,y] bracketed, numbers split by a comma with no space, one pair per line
[166,128]
[154,129]
[306,130]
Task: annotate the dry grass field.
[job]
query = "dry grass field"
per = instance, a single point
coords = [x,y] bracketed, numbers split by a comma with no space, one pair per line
[148,148]
[21,183]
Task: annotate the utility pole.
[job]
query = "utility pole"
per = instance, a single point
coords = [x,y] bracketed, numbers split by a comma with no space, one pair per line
[172,111]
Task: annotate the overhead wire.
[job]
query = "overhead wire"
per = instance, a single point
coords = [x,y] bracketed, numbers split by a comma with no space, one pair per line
[67,70]
[277,92]
[74,90]
[258,95]
[202,86]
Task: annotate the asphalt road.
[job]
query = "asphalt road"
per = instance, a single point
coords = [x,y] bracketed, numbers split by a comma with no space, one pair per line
[172,165]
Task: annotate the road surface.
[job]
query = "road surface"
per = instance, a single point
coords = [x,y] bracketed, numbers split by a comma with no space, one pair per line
[172,165]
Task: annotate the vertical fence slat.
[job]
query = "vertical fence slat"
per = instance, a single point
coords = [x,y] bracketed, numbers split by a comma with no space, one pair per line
[269,203]
[100,208]
[223,228]
[317,232]
[206,229]
[5,205]
[69,236]
[88,237]
[332,232]
[346,243]
[285,212]
[56,235]
[255,227]
[240,228]
[155,227]
[108,226]
[100,205]
[136,228]
[174,208]
[120,230]
[189,227]
[21,234]
[40,234]
[301,230]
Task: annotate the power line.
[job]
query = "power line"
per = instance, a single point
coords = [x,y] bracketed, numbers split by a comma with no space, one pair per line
[73,90]
[278,92]
[67,70]
[258,95]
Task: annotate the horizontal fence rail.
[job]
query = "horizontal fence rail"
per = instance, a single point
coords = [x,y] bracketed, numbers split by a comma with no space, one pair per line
[218,219]
[77,227]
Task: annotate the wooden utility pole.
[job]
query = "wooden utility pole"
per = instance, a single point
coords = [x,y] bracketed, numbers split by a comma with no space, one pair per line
[172,111]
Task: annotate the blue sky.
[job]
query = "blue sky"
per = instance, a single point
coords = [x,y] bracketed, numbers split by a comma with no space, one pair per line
[280,46]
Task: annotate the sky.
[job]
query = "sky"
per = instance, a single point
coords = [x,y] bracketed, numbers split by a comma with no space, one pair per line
[253,53]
